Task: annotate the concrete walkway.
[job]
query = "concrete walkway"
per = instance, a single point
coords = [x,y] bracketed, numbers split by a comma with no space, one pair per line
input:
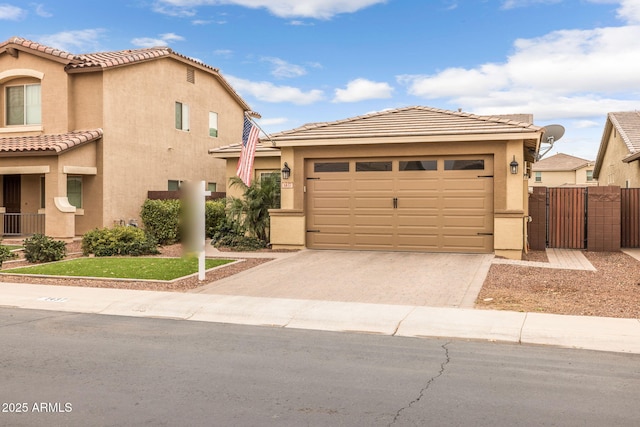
[605,334]
[566,259]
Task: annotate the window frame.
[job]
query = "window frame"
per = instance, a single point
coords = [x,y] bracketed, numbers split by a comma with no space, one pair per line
[27,108]
[213,119]
[181,116]
[77,178]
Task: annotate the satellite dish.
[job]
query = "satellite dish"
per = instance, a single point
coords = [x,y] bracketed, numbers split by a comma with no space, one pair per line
[551,134]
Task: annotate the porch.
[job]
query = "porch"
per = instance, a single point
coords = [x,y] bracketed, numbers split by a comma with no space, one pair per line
[21,224]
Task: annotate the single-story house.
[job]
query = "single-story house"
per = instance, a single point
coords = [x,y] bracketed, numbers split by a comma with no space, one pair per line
[562,170]
[618,161]
[84,138]
[409,179]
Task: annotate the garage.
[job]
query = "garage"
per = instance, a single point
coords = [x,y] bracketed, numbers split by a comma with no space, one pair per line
[412,203]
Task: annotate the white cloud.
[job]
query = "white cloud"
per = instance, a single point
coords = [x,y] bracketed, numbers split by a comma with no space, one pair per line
[574,74]
[363,89]
[79,41]
[283,69]
[318,9]
[273,121]
[11,13]
[42,12]
[268,92]
[512,4]
[164,40]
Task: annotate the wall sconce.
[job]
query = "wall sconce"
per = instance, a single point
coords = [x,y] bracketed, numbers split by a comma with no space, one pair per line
[513,165]
[286,171]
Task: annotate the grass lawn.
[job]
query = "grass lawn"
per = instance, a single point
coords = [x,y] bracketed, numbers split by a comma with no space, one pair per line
[122,267]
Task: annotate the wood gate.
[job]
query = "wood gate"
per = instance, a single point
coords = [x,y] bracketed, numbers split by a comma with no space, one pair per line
[630,217]
[566,218]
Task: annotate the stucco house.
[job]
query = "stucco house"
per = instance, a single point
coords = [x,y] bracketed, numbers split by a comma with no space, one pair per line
[83,138]
[412,179]
[562,170]
[618,161]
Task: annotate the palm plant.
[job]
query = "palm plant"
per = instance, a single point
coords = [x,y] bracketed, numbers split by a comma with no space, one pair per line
[252,210]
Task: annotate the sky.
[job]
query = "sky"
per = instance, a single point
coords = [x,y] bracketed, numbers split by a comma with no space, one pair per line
[567,62]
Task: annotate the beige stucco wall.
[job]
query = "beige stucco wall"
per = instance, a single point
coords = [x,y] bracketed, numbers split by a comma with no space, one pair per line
[142,150]
[613,170]
[260,164]
[560,178]
[509,190]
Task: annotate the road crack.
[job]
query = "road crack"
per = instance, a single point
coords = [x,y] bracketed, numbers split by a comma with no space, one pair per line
[426,387]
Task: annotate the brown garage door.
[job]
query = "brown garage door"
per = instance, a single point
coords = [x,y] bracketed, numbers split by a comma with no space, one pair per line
[424,204]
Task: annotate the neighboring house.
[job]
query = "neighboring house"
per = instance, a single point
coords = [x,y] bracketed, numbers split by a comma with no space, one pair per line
[562,170]
[414,179]
[618,161]
[83,138]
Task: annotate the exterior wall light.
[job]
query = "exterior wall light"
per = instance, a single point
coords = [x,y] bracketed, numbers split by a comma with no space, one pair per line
[513,165]
[286,171]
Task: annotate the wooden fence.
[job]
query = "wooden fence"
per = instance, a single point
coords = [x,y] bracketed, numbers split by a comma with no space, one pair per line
[594,218]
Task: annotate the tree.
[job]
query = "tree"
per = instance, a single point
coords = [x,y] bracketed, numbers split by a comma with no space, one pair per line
[252,211]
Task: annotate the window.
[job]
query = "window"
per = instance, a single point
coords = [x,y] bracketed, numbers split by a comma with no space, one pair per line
[459,165]
[74,190]
[538,176]
[589,175]
[23,105]
[331,167]
[42,193]
[418,165]
[213,124]
[373,166]
[173,185]
[212,186]
[182,116]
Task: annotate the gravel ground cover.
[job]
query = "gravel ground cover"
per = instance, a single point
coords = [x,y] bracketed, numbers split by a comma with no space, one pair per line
[611,291]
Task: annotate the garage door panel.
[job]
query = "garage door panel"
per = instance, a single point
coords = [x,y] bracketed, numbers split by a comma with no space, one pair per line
[435,210]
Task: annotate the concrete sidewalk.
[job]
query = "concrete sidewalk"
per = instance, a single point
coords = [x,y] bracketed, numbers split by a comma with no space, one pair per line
[605,334]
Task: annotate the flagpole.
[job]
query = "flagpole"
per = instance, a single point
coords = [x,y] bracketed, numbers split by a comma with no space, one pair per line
[261,130]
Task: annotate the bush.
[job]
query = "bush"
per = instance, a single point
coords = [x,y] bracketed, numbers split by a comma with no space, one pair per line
[6,254]
[121,240]
[230,234]
[214,216]
[41,248]
[161,219]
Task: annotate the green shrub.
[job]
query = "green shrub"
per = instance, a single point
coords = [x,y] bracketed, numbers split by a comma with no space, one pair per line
[231,234]
[161,219]
[214,216]
[41,248]
[6,254]
[121,240]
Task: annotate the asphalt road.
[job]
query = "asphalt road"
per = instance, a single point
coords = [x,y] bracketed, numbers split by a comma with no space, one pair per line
[92,370]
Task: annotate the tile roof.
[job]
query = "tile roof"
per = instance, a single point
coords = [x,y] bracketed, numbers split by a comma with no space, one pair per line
[560,162]
[628,126]
[19,41]
[106,60]
[48,144]
[408,121]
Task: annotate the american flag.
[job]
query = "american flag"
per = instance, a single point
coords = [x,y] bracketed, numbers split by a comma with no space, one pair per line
[249,140]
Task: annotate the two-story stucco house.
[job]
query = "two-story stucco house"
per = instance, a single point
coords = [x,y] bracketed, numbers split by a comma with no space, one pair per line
[83,138]
[562,170]
[618,161]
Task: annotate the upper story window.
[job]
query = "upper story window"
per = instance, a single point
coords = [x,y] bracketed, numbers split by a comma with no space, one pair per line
[182,116]
[23,105]
[589,175]
[538,176]
[213,124]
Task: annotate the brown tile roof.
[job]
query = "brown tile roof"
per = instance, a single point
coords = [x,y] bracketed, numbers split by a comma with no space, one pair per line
[560,162]
[35,46]
[105,60]
[408,121]
[48,144]
[628,126]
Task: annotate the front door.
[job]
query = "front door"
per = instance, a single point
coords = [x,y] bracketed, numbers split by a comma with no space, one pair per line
[11,202]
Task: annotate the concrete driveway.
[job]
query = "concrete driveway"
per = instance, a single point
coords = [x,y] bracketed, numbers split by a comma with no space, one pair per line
[403,278]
